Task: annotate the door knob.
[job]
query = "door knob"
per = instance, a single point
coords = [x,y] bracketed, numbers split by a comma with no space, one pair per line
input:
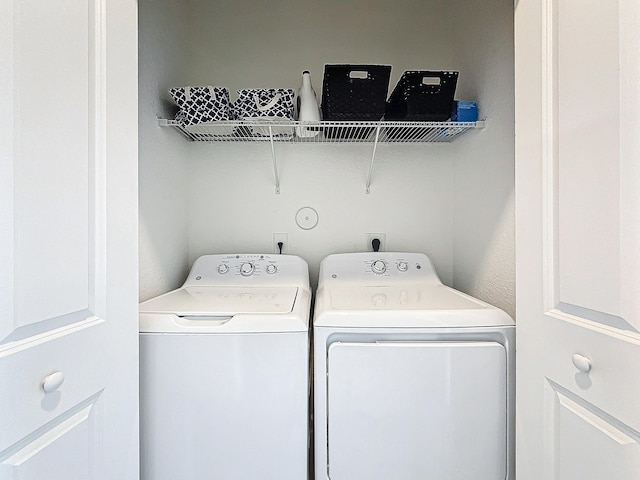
[581,362]
[52,382]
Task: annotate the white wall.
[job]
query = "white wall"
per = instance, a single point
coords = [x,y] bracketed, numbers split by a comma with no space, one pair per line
[244,43]
[484,220]
[449,201]
[233,206]
[163,154]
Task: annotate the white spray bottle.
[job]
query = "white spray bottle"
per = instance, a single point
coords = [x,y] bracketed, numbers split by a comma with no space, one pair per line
[308,109]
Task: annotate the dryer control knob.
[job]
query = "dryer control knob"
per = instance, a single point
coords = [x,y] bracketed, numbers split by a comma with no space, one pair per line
[271,269]
[223,268]
[403,266]
[378,266]
[246,269]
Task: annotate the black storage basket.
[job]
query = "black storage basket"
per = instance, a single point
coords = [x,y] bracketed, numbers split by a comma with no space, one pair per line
[354,93]
[423,96]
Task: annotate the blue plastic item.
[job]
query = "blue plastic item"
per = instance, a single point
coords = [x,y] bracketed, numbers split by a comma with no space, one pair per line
[464,112]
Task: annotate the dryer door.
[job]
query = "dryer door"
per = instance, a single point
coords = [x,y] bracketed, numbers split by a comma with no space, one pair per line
[417,410]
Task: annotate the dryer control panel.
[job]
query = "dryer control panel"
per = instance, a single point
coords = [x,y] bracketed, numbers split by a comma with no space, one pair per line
[254,269]
[377,268]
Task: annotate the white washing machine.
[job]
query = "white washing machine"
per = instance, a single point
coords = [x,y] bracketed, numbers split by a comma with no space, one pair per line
[224,372]
[412,379]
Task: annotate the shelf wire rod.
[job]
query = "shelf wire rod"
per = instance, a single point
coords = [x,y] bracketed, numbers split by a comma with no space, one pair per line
[373,157]
[275,161]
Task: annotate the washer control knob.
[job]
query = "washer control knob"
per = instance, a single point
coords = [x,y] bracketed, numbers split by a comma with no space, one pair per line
[378,266]
[223,268]
[271,269]
[403,266]
[247,269]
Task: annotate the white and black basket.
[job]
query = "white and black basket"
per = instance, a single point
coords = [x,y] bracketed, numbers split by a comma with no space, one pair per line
[201,104]
[267,109]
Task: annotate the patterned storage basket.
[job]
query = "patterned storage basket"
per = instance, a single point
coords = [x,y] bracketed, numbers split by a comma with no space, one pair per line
[264,106]
[201,104]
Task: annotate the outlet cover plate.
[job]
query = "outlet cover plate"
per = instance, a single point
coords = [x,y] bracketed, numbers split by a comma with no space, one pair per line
[281,237]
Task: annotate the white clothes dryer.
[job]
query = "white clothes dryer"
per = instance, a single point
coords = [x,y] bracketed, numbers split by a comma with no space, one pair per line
[224,372]
[413,379]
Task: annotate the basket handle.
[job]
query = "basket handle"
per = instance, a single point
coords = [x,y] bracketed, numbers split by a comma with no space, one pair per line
[187,93]
[263,108]
[359,73]
[431,80]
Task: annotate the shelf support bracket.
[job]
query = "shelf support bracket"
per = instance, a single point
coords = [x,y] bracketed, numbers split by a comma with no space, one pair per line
[373,157]
[275,161]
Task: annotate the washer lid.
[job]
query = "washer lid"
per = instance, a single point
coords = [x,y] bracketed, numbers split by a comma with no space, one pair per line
[223,301]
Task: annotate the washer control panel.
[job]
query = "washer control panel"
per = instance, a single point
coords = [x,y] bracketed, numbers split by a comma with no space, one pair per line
[254,268]
[377,268]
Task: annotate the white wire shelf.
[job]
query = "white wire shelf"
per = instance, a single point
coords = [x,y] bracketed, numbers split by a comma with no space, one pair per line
[323,132]
[282,131]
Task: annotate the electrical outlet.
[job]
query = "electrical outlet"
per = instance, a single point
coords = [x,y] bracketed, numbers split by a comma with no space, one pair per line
[369,237]
[280,237]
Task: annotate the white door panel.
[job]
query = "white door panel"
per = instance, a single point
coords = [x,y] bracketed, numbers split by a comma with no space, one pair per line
[41,457]
[586,112]
[52,91]
[609,385]
[578,241]
[587,442]
[70,351]
[68,218]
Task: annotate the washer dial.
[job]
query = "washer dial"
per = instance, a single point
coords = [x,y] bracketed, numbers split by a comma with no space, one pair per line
[378,266]
[403,266]
[247,269]
[223,268]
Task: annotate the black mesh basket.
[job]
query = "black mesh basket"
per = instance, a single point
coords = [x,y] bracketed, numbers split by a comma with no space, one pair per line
[422,96]
[354,93]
